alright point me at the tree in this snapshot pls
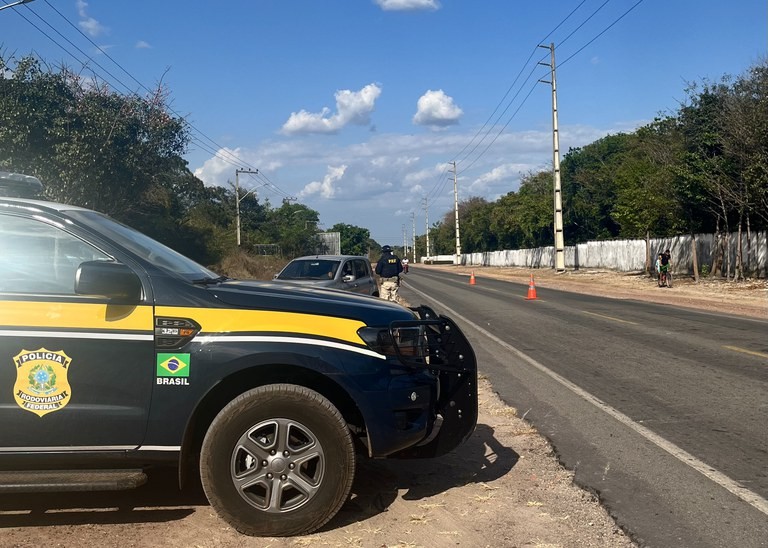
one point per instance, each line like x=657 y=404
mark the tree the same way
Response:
x=475 y=225
x=644 y=198
x=744 y=123
x=292 y=225
x=589 y=188
x=90 y=145
x=354 y=240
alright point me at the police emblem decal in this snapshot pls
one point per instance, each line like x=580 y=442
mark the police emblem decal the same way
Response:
x=41 y=380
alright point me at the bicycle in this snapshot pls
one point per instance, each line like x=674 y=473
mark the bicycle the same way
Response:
x=665 y=279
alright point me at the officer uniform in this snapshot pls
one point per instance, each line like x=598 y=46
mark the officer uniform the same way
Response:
x=389 y=268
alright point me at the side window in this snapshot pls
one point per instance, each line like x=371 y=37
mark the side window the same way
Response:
x=361 y=270
x=36 y=257
x=348 y=269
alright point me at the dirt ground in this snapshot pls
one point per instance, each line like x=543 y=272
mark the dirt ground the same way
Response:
x=503 y=488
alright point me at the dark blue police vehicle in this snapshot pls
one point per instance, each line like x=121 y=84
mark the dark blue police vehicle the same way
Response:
x=117 y=355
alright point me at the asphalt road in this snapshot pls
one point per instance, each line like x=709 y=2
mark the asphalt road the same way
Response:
x=661 y=411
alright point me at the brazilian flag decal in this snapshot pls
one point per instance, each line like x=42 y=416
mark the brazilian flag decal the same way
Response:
x=173 y=365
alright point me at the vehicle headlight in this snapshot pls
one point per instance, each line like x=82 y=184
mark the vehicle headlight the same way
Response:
x=408 y=342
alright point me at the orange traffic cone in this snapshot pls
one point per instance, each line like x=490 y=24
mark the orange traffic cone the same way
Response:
x=472 y=279
x=531 y=291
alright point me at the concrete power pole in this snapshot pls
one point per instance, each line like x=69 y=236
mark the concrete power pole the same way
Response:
x=426 y=223
x=559 y=242
x=238 y=199
x=413 y=233
x=456 y=209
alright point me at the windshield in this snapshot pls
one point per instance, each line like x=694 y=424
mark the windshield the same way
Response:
x=142 y=245
x=309 y=269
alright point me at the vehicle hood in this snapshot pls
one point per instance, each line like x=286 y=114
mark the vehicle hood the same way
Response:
x=313 y=283
x=310 y=300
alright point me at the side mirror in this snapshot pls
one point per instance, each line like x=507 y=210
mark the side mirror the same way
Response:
x=112 y=280
x=348 y=278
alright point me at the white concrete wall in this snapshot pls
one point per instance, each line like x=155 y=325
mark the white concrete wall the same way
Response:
x=625 y=255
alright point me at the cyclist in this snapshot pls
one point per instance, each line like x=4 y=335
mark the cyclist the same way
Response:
x=658 y=269
x=665 y=260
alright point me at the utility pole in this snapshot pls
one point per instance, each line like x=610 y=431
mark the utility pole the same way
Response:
x=426 y=223
x=559 y=243
x=238 y=199
x=405 y=242
x=456 y=209
x=413 y=233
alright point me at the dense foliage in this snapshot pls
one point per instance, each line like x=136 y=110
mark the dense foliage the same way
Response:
x=122 y=155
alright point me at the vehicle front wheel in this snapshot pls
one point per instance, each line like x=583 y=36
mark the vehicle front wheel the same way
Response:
x=278 y=460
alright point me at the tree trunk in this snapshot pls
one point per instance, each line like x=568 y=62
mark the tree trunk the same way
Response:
x=717 y=265
x=695 y=257
x=648 y=253
x=739 y=270
x=749 y=248
x=727 y=250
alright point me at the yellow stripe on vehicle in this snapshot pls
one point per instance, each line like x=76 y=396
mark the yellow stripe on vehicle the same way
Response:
x=216 y=320
x=76 y=316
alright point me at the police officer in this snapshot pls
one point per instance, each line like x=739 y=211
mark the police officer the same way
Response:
x=389 y=268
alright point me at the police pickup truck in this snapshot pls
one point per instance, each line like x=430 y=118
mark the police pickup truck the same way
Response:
x=118 y=355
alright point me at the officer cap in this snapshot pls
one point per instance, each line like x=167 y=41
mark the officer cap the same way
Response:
x=386 y=248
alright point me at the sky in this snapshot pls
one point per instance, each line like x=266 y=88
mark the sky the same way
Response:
x=358 y=108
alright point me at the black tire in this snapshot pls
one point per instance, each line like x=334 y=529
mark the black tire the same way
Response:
x=669 y=279
x=278 y=460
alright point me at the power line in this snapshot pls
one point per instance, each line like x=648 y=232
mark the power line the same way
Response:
x=442 y=180
x=102 y=50
x=602 y=32
x=485 y=130
x=502 y=129
x=70 y=43
x=509 y=89
x=141 y=85
x=219 y=151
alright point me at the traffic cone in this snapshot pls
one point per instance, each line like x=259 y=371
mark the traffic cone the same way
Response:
x=531 y=291
x=472 y=279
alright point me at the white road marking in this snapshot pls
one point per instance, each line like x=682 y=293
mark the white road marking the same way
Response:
x=751 y=498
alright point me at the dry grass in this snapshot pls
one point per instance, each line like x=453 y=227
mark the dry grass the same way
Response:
x=246 y=266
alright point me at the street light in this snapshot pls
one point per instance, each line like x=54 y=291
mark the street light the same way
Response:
x=15 y=4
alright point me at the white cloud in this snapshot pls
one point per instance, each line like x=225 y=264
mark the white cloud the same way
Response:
x=89 y=25
x=215 y=171
x=219 y=170
x=426 y=175
x=352 y=107
x=102 y=49
x=324 y=188
x=406 y=5
x=390 y=172
x=436 y=109
x=500 y=177
x=389 y=162
x=141 y=44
